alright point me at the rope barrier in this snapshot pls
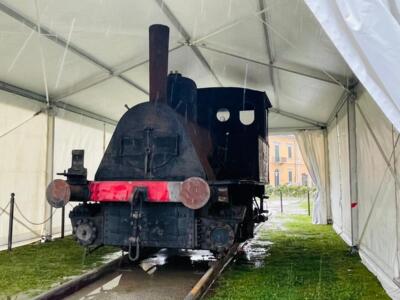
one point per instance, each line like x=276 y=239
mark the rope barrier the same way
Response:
x=30 y=222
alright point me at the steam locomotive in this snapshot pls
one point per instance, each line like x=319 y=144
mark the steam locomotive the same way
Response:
x=181 y=171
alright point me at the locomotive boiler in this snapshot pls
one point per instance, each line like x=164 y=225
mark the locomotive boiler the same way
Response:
x=181 y=171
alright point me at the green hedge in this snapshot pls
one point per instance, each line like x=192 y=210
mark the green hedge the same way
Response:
x=290 y=190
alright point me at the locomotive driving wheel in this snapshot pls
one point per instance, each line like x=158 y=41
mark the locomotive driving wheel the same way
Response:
x=85 y=232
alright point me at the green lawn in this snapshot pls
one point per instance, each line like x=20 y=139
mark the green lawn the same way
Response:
x=35 y=268
x=304 y=261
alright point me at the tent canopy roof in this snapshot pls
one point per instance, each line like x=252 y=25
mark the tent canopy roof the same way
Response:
x=92 y=55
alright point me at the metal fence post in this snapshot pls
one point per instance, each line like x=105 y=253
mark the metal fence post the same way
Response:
x=281 y=202
x=62 y=221
x=308 y=202
x=10 y=221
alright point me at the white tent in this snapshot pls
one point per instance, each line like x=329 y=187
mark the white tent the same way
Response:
x=67 y=68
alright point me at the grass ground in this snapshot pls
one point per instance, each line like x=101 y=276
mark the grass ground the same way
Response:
x=304 y=261
x=32 y=269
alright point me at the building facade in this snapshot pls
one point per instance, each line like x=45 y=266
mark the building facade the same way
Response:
x=286 y=165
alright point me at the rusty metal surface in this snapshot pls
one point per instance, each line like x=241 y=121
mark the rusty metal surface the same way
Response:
x=195 y=192
x=158 y=54
x=58 y=193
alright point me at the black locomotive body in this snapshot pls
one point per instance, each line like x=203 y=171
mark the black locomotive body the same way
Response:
x=180 y=171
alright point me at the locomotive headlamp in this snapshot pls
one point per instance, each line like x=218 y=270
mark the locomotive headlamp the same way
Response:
x=58 y=193
x=194 y=193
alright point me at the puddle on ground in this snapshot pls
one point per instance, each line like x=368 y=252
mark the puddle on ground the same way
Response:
x=184 y=258
x=255 y=251
x=175 y=271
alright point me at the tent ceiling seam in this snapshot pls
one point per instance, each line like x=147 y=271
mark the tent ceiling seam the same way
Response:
x=292 y=129
x=175 y=22
x=58 y=39
x=264 y=17
x=275 y=66
x=298 y=117
x=33 y=96
x=118 y=70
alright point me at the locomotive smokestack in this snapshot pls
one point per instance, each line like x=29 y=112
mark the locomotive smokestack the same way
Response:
x=158 y=53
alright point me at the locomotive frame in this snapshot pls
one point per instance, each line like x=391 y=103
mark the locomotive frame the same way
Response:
x=180 y=171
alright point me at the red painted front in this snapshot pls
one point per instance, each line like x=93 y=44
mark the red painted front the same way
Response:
x=122 y=191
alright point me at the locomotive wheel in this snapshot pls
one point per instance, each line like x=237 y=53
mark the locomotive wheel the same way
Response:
x=85 y=232
x=220 y=236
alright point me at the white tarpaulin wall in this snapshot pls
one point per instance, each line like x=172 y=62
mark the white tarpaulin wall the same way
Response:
x=73 y=131
x=378 y=202
x=312 y=147
x=22 y=165
x=23 y=137
x=365 y=192
x=339 y=174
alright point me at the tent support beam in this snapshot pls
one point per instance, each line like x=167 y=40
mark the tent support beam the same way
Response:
x=119 y=70
x=56 y=38
x=327 y=182
x=297 y=117
x=275 y=66
x=48 y=210
x=351 y=119
x=171 y=17
x=292 y=129
x=264 y=17
x=33 y=96
x=339 y=105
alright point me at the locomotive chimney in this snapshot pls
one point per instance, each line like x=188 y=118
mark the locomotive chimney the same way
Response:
x=158 y=53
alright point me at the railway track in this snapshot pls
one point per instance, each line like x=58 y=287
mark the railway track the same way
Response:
x=164 y=275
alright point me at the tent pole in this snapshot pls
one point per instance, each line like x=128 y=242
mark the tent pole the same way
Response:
x=48 y=212
x=351 y=118
x=396 y=199
x=327 y=182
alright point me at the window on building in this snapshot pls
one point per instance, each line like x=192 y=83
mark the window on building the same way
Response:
x=290 y=177
x=289 y=151
x=276 y=177
x=277 y=154
x=304 y=179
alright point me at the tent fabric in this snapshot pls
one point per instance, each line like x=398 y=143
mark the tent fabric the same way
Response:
x=312 y=148
x=360 y=30
x=378 y=201
x=378 y=204
x=229 y=37
x=73 y=131
x=22 y=165
x=23 y=161
x=339 y=174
